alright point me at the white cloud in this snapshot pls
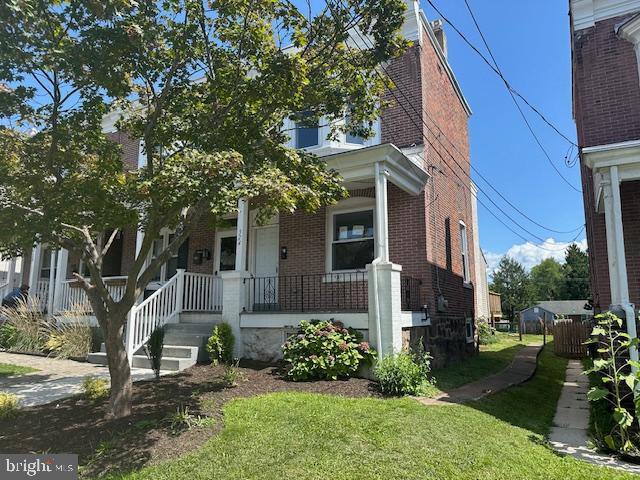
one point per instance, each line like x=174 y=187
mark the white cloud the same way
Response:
x=530 y=254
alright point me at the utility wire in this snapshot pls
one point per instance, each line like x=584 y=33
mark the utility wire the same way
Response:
x=497 y=69
x=367 y=43
x=493 y=68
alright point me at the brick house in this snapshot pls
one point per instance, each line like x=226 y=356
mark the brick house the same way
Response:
x=394 y=260
x=606 y=101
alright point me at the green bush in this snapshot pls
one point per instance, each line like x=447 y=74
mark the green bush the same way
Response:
x=8 y=336
x=405 y=373
x=220 y=344
x=94 y=388
x=69 y=337
x=325 y=350
x=9 y=405
x=486 y=334
x=154 y=348
x=28 y=322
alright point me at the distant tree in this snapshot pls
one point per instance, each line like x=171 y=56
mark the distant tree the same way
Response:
x=577 y=285
x=547 y=280
x=512 y=282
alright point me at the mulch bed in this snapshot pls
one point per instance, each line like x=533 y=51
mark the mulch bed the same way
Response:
x=107 y=445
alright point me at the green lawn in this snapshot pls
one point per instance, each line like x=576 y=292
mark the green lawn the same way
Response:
x=8 y=369
x=306 y=436
x=492 y=359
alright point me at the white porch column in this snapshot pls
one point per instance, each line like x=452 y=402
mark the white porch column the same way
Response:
x=61 y=276
x=52 y=282
x=618 y=279
x=382 y=215
x=242 y=235
x=234 y=301
x=385 y=308
x=34 y=271
x=11 y=274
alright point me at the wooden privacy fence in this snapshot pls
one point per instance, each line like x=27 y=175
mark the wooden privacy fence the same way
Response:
x=569 y=338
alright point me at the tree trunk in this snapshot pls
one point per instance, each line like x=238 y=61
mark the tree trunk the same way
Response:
x=121 y=386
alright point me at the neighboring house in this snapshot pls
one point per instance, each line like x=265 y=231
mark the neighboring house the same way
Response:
x=606 y=100
x=549 y=311
x=408 y=208
x=481 y=289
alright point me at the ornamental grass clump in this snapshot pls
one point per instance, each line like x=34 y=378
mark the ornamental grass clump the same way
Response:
x=25 y=324
x=325 y=350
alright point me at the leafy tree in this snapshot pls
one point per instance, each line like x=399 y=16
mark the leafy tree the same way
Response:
x=547 y=280
x=206 y=85
x=577 y=285
x=512 y=282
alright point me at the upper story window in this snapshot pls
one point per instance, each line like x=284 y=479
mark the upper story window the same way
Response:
x=352 y=245
x=307 y=132
x=464 y=250
x=349 y=137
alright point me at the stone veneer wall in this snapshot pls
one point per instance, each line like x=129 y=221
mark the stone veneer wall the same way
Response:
x=445 y=339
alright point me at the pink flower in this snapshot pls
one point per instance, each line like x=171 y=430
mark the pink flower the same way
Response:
x=343 y=346
x=363 y=347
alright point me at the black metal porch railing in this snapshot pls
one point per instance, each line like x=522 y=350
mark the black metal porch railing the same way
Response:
x=327 y=292
x=410 y=293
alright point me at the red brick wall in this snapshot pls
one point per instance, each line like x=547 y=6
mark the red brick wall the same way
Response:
x=606 y=91
x=203 y=237
x=130 y=148
x=128 y=250
x=606 y=85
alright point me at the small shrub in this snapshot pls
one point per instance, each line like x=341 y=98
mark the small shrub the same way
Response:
x=154 y=348
x=325 y=350
x=9 y=405
x=615 y=383
x=486 y=334
x=183 y=420
x=232 y=374
x=8 y=336
x=70 y=336
x=29 y=325
x=95 y=389
x=405 y=373
x=220 y=344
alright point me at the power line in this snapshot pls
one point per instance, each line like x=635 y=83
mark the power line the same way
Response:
x=366 y=42
x=493 y=68
x=498 y=70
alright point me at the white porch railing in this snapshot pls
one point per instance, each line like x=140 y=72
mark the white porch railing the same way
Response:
x=202 y=293
x=5 y=288
x=183 y=292
x=41 y=293
x=72 y=295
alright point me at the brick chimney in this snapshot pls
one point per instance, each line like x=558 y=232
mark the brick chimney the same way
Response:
x=438 y=30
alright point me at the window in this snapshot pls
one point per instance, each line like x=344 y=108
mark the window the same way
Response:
x=228 y=253
x=45 y=269
x=352 y=242
x=350 y=138
x=307 y=132
x=176 y=261
x=469 y=329
x=464 y=248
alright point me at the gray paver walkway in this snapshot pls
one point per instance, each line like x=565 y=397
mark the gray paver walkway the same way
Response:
x=521 y=369
x=55 y=379
x=570 y=432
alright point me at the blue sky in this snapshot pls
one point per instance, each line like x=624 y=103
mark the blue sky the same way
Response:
x=531 y=43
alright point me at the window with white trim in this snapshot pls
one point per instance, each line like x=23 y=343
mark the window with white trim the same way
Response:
x=464 y=251
x=307 y=132
x=170 y=267
x=352 y=244
x=349 y=137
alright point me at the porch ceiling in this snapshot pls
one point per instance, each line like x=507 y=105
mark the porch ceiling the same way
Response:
x=357 y=167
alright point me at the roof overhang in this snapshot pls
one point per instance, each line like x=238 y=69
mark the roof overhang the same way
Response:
x=358 y=166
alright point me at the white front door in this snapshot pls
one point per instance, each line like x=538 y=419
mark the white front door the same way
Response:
x=265 y=266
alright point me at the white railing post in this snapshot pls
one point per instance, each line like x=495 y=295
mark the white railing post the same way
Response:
x=179 y=289
x=131 y=318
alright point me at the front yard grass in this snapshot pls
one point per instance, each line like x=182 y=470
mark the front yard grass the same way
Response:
x=8 y=369
x=311 y=436
x=492 y=359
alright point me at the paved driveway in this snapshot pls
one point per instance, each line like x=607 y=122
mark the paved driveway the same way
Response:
x=55 y=379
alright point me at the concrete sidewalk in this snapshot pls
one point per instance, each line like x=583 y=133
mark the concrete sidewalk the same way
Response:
x=521 y=369
x=570 y=433
x=55 y=379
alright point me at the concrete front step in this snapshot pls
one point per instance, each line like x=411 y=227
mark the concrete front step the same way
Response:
x=199 y=328
x=141 y=361
x=177 y=351
x=200 y=317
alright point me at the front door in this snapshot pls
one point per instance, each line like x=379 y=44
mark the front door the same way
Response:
x=265 y=267
x=225 y=251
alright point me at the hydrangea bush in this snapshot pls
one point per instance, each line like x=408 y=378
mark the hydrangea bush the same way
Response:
x=325 y=350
